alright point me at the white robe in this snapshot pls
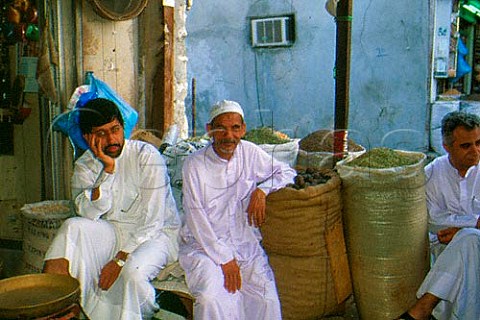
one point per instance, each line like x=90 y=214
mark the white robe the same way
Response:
x=135 y=213
x=216 y=194
x=453 y=200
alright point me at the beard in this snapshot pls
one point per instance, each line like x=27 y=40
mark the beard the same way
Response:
x=113 y=150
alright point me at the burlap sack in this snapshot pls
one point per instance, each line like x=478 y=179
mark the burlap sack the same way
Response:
x=304 y=239
x=146 y=136
x=297 y=219
x=305 y=286
x=385 y=219
x=41 y=221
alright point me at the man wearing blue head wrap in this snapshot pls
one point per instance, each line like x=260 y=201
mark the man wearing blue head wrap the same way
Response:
x=127 y=223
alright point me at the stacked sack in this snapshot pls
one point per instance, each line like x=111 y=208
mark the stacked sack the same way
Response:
x=175 y=155
x=316 y=150
x=303 y=237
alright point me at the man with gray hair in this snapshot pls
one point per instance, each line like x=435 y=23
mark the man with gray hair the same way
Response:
x=225 y=186
x=451 y=289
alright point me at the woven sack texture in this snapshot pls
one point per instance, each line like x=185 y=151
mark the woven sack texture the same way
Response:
x=385 y=220
x=303 y=230
x=297 y=219
x=305 y=286
x=41 y=221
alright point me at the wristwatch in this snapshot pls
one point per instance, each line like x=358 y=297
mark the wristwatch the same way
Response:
x=119 y=262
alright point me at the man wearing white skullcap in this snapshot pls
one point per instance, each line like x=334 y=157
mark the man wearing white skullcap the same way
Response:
x=225 y=186
x=225 y=106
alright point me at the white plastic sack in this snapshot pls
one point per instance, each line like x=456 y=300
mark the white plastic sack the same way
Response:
x=175 y=156
x=285 y=152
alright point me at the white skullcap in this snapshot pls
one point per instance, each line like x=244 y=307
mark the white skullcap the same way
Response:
x=224 y=106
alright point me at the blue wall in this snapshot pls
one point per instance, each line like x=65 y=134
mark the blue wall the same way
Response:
x=292 y=89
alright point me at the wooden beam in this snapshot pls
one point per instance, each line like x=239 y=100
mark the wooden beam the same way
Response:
x=342 y=76
x=169 y=61
x=162 y=111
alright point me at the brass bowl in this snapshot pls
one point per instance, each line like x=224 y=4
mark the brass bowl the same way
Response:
x=37 y=295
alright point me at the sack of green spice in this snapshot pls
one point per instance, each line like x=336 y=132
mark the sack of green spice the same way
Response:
x=275 y=143
x=385 y=223
x=383 y=158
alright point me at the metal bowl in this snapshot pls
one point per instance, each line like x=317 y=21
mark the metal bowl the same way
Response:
x=37 y=295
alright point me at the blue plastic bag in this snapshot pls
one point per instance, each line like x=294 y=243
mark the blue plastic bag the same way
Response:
x=67 y=122
x=462 y=65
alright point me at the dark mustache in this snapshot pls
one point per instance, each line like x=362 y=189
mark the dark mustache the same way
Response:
x=113 y=145
x=227 y=141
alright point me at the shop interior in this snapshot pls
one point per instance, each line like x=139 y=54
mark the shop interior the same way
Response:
x=463 y=76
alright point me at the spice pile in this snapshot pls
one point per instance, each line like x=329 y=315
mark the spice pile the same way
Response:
x=308 y=177
x=322 y=141
x=381 y=158
x=266 y=135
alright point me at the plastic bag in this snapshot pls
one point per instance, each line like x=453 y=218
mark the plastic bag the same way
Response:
x=67 y=122
x=462 y=65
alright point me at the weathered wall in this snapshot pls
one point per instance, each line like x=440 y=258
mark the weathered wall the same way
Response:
x=181 y=60
x=391 y=45
x=122 y=58
x=293 y=88
x=109 y=50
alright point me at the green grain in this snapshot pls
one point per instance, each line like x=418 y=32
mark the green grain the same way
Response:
x=381 y=158
x=264 y=135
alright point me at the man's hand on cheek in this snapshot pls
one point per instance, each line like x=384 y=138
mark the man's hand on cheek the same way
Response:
x=96 y=145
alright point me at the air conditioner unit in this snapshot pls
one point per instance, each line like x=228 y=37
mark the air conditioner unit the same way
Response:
x=272 y=31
